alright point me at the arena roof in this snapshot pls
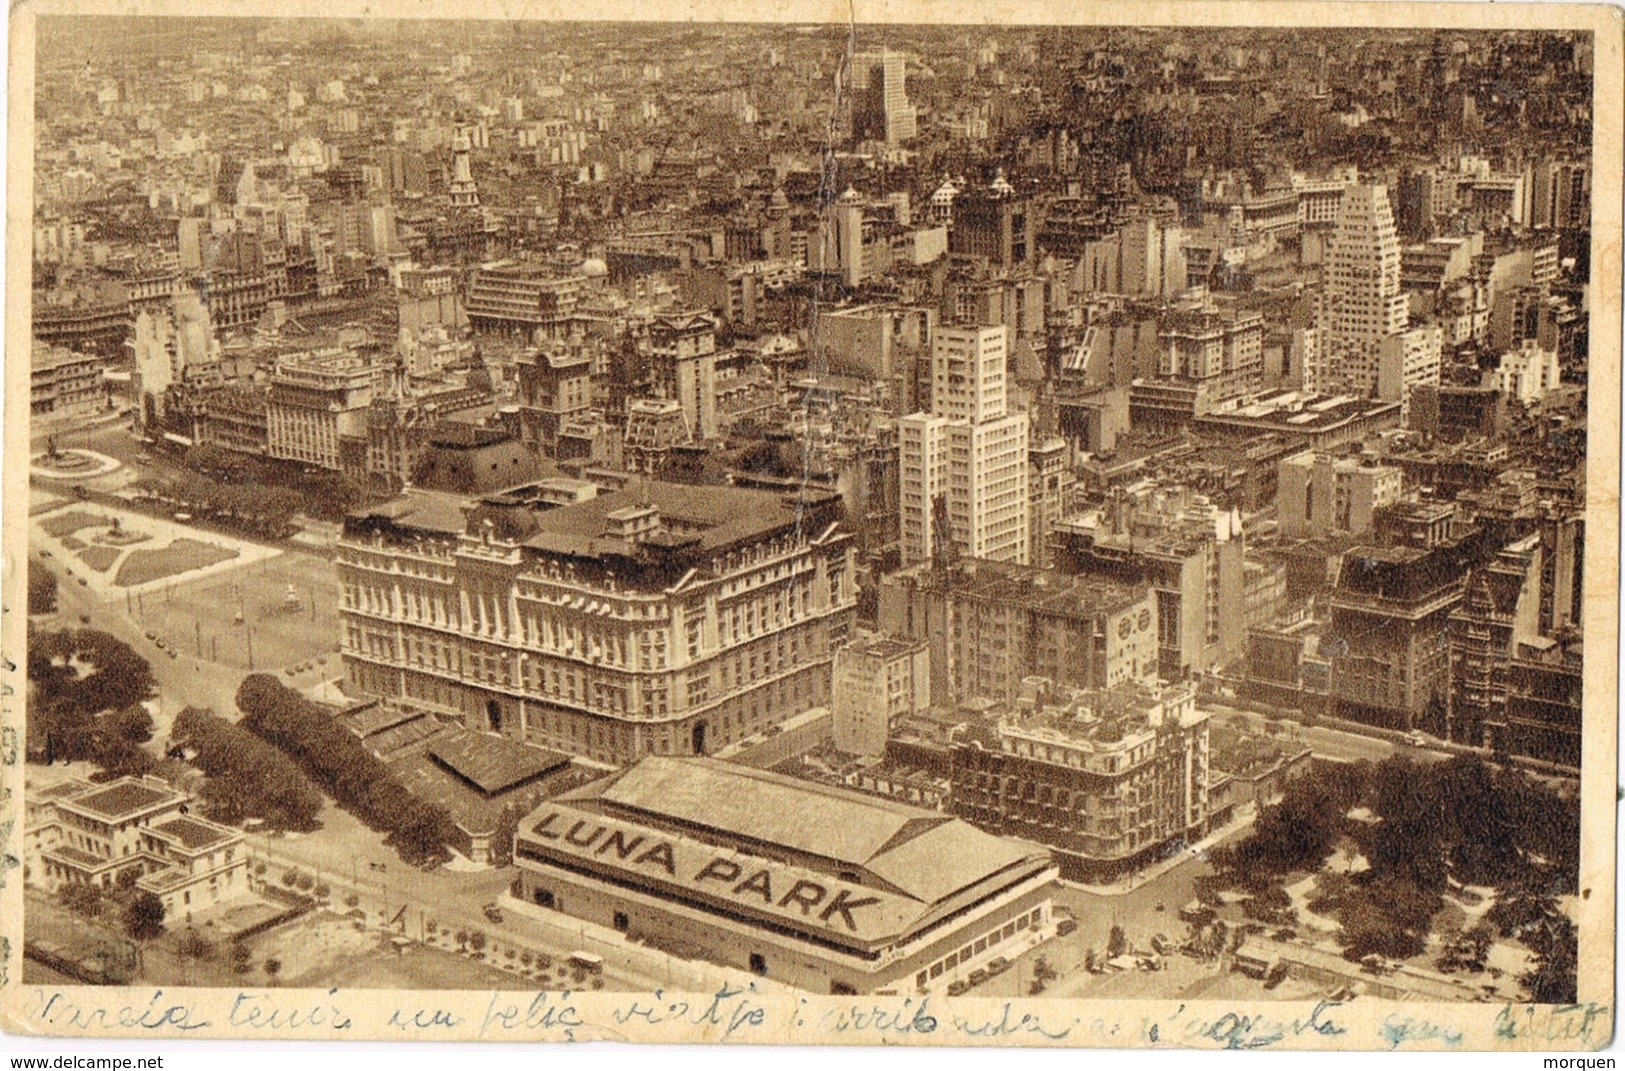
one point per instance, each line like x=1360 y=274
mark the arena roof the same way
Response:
x=821 y=859
x=770 y=809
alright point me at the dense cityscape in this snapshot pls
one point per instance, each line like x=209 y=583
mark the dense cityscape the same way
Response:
x=1017 y=511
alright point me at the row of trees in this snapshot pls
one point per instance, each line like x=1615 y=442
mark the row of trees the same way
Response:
x=321 y=493
x=248 y=778
x=336 y=760
x=257 y=510
x=87 y=693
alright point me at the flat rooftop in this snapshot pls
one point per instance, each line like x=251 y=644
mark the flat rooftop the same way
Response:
x=194 y=833
x=125 y=798
x=1101 y=716
x=711 y=518
x=1299 y=412
x=708 y=518
x=60 y=790
x=1041 y=589
x=884 y=646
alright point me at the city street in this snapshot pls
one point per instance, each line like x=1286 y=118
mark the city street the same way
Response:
x=1337 y=745
x=352 y=858
x=182 y=681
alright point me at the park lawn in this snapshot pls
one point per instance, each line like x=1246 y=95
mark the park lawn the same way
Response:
x=181 y=556
x=99 y=558
x=73 y=520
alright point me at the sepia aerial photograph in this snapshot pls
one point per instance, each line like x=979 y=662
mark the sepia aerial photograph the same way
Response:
x=890 y=511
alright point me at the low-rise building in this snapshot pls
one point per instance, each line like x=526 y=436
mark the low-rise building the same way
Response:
x=877 y=678
x=815 y=886
x=1318 y=421
x=90 y=834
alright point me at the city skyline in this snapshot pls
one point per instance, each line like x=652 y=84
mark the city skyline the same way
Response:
x=1048 y=513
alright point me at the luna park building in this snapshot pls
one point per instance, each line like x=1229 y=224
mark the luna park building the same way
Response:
x=811 y=885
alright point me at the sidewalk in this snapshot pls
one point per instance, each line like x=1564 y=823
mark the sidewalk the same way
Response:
x=697 y=975
x=1244 y=819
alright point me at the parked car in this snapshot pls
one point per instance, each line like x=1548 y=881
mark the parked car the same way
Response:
x=1064 y=927
x=978 y=976
x=957 y=988
x=587 y=961
x=997 y=965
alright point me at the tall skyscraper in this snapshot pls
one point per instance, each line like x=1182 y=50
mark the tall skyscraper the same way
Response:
x=1362 y=303
x=969 y=451
x=880 y=108
x=1366 y=345
x=464 y=192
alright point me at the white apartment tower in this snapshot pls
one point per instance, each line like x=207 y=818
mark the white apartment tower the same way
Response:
x=1362 y=303
x=1365 y=344
x=969 y=450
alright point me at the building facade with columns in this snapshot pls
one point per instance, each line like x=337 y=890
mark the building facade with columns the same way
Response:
x=660 y=619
